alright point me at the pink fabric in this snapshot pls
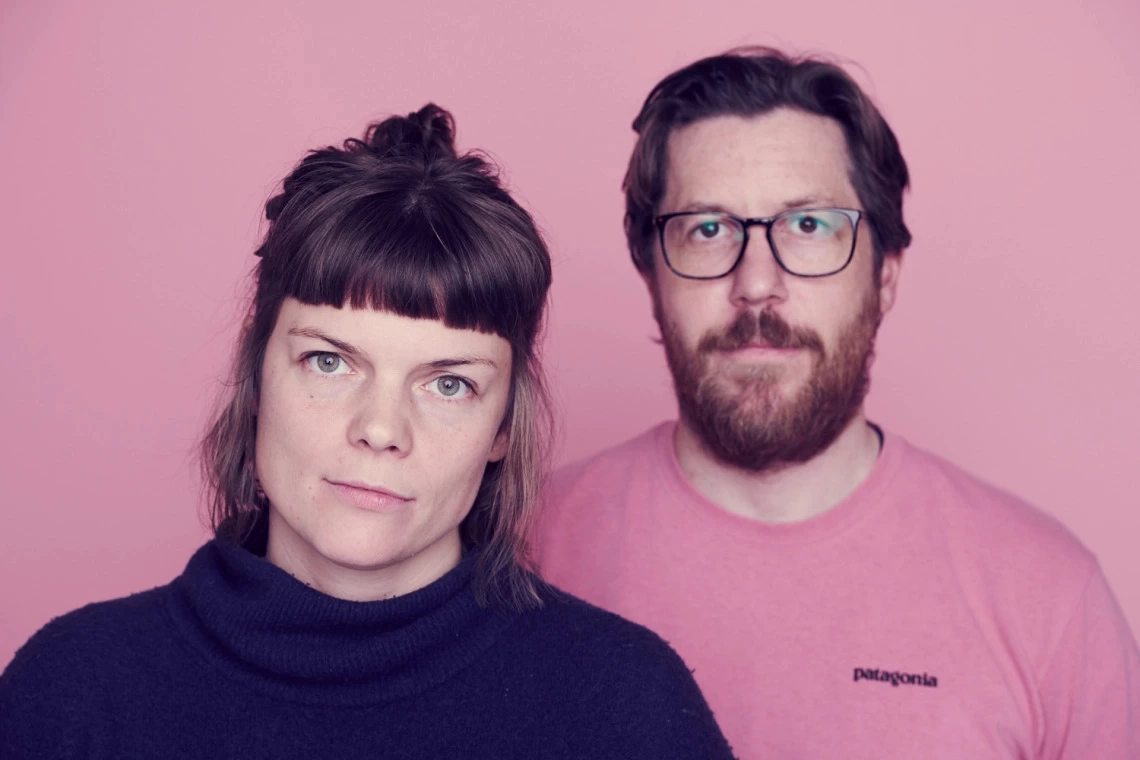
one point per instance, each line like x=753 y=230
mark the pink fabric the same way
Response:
x=928 y=615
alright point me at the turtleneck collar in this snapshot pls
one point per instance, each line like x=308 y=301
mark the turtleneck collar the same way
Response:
x=269 y=630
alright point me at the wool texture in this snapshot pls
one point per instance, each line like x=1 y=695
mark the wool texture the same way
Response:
x=236 y=658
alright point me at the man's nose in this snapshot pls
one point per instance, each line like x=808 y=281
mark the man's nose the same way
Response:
x=758 y=280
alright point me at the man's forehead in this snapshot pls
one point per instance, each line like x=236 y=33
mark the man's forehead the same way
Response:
x=775 y=159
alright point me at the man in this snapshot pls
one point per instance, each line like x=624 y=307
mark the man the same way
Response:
x=838 y=592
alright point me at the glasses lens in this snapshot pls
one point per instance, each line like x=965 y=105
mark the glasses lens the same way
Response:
x=813 y=241
x=702 y=245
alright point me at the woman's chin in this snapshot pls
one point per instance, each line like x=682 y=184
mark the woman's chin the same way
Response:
x=387 y=554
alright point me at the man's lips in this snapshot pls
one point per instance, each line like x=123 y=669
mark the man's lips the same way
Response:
x=766 y=348
x=367 y=496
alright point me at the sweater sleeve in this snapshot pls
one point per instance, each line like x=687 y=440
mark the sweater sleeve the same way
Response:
x=43 y=704
x=1090 y=692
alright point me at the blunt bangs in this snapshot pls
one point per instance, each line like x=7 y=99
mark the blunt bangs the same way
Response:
x=420 y=246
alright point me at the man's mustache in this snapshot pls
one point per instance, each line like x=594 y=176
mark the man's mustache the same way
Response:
x=765 y=327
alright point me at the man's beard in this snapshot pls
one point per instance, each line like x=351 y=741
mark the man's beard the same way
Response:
x=741 y=416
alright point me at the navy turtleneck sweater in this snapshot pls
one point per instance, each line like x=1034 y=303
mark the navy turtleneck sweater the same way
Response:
x=236 y=658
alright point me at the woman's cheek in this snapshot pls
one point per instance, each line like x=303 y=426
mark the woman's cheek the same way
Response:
x=318 y=389
x=437 y=410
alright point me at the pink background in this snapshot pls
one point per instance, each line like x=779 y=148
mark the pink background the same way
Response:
x=139 y=141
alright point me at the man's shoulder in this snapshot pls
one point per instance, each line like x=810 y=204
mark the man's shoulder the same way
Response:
x=994 y=521
x=587 y=499
x=599 y=470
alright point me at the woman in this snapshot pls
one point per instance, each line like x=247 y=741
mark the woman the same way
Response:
x=372 y=478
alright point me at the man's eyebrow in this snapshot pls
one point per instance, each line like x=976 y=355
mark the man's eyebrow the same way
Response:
x=312 y=332
x=690 y=208
x=807 y=201
x=811 y=201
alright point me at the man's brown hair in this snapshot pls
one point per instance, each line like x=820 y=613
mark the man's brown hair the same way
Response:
x=750 y=82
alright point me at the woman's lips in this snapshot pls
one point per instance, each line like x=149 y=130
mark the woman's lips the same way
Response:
x=370 y=497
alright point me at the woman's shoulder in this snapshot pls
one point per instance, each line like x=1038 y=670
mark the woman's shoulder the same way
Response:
x=619 y=674
x=588 y=635
x=101 y=625
x=61 y=680
x=98 y=637
x=563 y=611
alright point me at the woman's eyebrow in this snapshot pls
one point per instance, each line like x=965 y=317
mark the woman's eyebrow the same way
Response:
x=460 y=361
x=348 y=348
x=312 y=332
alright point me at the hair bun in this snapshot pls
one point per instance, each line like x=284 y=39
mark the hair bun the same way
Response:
x=429 y=131
x=424 y=135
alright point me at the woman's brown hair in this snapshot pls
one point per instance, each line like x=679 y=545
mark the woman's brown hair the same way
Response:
x=398 y=222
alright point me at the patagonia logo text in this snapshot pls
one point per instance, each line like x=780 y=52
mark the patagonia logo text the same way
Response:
x=895 y=678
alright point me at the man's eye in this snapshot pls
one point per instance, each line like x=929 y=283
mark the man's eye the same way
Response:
x=327 y=363
x=451 y=386
x=708 y=230
x=808 y=224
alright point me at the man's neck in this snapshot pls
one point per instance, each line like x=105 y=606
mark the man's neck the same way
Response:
x=789 y=493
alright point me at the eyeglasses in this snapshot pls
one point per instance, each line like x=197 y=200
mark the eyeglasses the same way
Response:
x=807 y=242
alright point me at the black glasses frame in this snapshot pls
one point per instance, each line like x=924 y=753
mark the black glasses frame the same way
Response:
x=766 y=222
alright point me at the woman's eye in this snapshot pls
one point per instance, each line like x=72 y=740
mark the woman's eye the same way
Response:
x=451 y=386
x=327 y=363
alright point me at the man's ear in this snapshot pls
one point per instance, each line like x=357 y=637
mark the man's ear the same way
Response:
x=889 y=281
x=649 y=279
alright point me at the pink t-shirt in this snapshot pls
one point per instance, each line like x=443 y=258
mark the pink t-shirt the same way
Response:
x=929 y=615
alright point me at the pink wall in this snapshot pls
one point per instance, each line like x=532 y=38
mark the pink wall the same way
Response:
x=137 y=144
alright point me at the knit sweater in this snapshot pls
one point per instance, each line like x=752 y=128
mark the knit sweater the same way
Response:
x=236 y=658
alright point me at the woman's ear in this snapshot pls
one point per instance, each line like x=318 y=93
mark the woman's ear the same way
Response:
x=499 y=447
